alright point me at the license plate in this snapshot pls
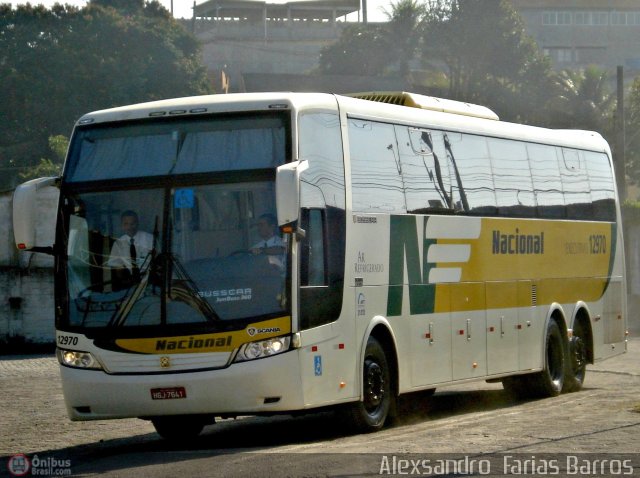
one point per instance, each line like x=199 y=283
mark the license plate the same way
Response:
x=168 y=393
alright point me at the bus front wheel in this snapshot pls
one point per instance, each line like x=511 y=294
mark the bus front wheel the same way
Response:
x=370 y=414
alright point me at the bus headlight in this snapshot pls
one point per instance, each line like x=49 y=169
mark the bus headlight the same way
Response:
x=263 y=348
x=76 y=359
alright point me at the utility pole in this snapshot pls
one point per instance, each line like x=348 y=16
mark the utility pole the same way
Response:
x=620 y=160
x=364 y=11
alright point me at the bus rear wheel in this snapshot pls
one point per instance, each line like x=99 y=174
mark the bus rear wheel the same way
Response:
x=370 y=414
x=577 y=361
x=550 y=381
x=179 y=427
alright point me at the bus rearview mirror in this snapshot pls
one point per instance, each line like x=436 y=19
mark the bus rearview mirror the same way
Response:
x=288 y=193
x=25 y=213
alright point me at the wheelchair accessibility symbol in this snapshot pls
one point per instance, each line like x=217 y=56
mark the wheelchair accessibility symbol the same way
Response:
x=317 y=365
x=184 y=199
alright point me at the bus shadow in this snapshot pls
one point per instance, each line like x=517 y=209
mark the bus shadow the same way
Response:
x=422 y=406
x=253 y=435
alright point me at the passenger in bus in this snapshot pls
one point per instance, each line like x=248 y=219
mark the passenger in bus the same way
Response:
x=129 y=251
x=270 y=242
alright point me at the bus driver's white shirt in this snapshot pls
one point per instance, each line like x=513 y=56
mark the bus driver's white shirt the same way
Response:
x=273 y=241
x=120 y=252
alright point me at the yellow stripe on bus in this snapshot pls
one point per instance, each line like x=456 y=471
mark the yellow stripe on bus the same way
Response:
x=201 y=343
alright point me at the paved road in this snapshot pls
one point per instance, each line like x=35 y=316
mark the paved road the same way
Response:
x=466 y=422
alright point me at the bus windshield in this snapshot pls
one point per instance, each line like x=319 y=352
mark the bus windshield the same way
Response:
x=161 y=148
x=181 y=248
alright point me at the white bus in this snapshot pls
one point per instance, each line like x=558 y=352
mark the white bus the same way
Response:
x=419 y=243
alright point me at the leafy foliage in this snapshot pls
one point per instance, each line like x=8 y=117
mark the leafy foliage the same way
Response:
x=633 y=133
x=481 y=45
x=583 y=100
x=488 y=57
x=49 y=167
x=57 y=64
x=404 y=31
x=352 y=53
x=378 y=50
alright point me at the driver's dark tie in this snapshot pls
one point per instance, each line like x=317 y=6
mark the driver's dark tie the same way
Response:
x=134 y=263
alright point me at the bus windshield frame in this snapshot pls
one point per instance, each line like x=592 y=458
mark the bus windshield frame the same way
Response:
x=198 y=268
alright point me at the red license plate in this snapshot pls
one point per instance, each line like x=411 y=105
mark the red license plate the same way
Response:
x=168 y=393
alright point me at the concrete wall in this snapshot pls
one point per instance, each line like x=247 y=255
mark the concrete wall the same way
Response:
x=240 y=47
x=26 y=279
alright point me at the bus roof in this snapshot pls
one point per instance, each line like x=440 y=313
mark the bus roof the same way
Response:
x=401 y=107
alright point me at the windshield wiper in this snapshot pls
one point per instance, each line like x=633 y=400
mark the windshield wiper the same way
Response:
x=132 y=295
x=182 y=288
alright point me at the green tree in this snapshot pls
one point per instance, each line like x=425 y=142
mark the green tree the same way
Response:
x=633 y=133
x=49 y=166
x=487 y=56
x=583 y=100
x=57 y=64
x=378 y=49
x=360 y=50
x=123 y=6
x=404 y=31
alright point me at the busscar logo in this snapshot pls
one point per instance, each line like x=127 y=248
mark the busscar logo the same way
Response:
x=266 y=330
x=227 y=295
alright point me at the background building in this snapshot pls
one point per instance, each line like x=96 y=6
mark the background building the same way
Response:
x=578 y=33
x=255 y=37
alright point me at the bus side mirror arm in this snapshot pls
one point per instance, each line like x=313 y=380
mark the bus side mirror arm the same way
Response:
x=288 y=196
x=25 y=212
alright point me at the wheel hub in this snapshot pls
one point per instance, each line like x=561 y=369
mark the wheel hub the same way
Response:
x=374 y=385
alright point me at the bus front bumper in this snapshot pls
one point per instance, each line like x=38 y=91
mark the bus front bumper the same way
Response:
x=271 y=384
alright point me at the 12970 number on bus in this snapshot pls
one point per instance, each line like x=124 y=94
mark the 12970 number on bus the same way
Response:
x=598 y=244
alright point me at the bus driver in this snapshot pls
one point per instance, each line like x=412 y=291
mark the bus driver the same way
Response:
x=130 y=250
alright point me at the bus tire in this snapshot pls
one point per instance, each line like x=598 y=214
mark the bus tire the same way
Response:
x=549 y=382
x=576 y=369
x=370 y=414
x=178 y=427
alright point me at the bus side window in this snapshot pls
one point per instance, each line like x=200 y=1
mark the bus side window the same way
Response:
x=547 y=185
x=601 y=185
x=376 y=175
x=512 y=178
x=425 y=171
x=575 y=184
x=470 y=156
x=313 y=262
